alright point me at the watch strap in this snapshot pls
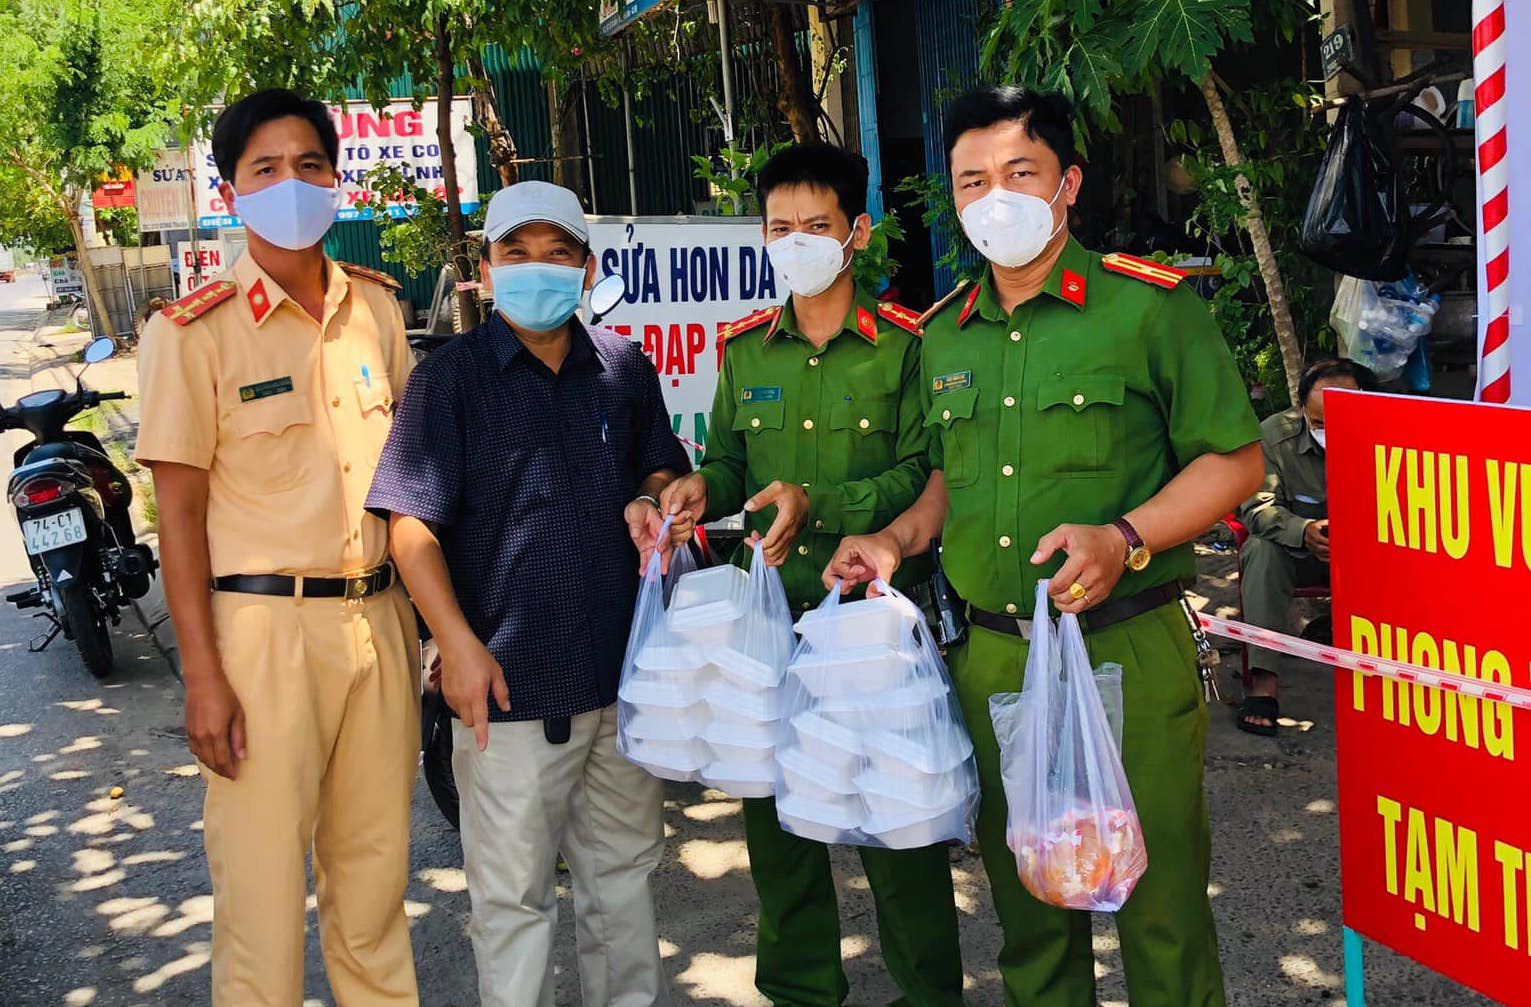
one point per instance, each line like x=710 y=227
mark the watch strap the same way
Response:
x=1134 y=540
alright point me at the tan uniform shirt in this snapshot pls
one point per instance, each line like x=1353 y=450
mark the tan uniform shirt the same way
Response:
x=287 y=414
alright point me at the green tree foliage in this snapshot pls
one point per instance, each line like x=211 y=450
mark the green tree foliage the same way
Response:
x=79 y=98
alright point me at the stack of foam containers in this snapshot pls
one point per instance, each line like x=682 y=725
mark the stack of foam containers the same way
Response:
x=872 y=754
x=703 y=700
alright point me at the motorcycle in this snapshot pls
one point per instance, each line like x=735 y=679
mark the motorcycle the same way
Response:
x=73 y=507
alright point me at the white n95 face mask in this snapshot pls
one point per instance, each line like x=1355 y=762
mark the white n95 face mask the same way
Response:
x=291 y=214
x=809 y=263
x=1011 y=228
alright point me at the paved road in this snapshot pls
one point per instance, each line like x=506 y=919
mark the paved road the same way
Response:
x=106 y=901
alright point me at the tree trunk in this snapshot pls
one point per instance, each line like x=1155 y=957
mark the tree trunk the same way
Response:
x=457 y=231
x=100 y=317
x=797 y=100
x=1265 y=256
x=486 y=105
x=569 y=169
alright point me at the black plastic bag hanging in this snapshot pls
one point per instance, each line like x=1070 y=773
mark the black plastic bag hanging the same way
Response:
x=1357 y=221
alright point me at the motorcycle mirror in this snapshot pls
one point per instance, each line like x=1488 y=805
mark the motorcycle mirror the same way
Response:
x=606 y=295
x=99 y=350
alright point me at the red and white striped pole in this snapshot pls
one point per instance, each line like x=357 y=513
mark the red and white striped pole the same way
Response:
x=1490 y=50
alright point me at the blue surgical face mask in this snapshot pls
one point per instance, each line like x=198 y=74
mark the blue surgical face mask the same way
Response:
x=537 y=296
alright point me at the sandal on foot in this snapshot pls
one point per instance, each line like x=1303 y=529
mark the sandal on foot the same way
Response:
x=1264 y=707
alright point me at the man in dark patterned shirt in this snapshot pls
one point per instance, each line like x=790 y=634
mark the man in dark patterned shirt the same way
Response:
x=523 y=467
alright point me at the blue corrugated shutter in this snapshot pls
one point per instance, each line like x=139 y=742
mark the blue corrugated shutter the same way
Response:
x=948 y=34
x=866 y=107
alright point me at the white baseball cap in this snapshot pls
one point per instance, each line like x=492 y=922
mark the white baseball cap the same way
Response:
x=534 y=203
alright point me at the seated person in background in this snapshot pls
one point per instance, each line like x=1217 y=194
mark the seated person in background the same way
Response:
x=1288 y=522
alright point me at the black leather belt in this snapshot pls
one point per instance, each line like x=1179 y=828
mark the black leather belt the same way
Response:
x=1096 y=619
x=281 y=586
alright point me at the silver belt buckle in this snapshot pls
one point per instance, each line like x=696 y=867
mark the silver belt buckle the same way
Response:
x=1024 y=626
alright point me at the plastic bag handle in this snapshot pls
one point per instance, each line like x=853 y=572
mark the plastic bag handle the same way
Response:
x=664 y=529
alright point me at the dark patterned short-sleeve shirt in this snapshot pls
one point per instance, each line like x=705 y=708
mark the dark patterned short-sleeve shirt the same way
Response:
x=526 y=473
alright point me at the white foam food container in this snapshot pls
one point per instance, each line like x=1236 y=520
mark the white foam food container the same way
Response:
x=646 y=695
x=670 y=655
x=850 y=625
x=836 y=747
x=909 y=833
x=744 y=670
x=805 y=777
x=858 y=672
x=895 y=754
x=669 y=760
x=824 y=821
x=738 y=745
x=665 y=724
x=889 y=797
x=730 y=703
x=706 y=603
x=741 y=780
x=903 y=709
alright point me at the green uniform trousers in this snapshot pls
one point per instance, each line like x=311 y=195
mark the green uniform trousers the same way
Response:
x=797 y=961
x=1169 y=947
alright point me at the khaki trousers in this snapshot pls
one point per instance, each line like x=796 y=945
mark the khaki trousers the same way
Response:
x=331 y=698
x=525 y=800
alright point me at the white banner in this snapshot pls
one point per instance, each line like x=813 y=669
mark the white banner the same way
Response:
x=687 y=277
x=1516 y=169
x=163 y=192
x=399 y=135
x=211 y=254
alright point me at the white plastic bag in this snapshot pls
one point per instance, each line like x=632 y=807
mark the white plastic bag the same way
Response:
x=873 y=750
x=742 y=700
x=1379 y=324
x=698 y=696
x=1072 y=823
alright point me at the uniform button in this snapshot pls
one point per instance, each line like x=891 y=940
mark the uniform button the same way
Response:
x=1008 y=470
x=1009 y=401
x=806 y=606
x=335 y=402
x=1010 y=609
x=755 y=422
x=865 y=423
x=802 y=550
x=946 y=414
x=1004 y=541
x=808 y=424
x=1015 y=337
x=813 y=361
x=1078 y=400
x=346 y=467
x=805 y=485
x=819 y=524
x=356 y=534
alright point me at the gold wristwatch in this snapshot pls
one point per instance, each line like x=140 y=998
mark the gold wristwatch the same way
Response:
x=1138 y=554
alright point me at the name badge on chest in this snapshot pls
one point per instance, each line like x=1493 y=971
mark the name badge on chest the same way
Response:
x=265 y=389
x=951 y=382
x=761 y=393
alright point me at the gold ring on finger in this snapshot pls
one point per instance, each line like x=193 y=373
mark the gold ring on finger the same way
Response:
x=1077 y=591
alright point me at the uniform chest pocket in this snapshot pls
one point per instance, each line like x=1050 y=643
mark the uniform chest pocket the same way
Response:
x=1080 y=425
x=759 y=417
x=271 y=447
x=374 y=395
x=951 y=419
x=866 y=417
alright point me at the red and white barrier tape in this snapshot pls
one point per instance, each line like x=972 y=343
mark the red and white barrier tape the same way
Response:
x=1334 y=657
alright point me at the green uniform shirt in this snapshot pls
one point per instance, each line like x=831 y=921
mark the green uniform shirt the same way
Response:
x=845 y=421
x=1074 y=408
x=1295 y=490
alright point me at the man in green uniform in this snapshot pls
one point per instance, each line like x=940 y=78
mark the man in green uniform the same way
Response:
x=818 y=413
x=1089 y=423
x=1288 y=522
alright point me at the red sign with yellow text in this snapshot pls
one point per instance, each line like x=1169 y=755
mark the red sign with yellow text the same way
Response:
x=1430 y=511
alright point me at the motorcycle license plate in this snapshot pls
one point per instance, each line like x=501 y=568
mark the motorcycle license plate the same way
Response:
x=44 y=534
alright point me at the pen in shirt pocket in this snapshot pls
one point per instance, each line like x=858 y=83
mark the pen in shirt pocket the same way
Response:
x=603 y=428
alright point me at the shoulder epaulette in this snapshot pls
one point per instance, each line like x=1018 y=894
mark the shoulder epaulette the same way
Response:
x=375 y=275
x=753 y=320
x=905 y=318
x=199 y=302
x=1146 y=270
x=935 y=309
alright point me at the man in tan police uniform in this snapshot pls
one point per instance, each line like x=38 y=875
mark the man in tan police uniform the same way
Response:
x=267 y=397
